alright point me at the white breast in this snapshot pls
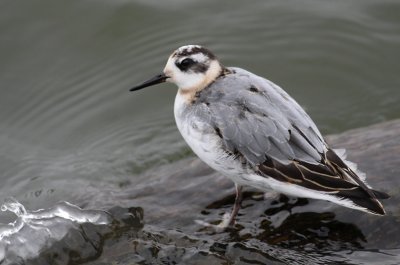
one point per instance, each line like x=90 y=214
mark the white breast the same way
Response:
x=205 y=144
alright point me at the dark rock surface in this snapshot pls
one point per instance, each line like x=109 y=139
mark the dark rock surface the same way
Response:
x=272 y=230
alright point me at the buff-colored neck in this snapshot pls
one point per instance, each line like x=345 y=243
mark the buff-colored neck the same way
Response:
x=215 y=71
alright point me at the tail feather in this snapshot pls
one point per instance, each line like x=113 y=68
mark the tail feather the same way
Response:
x=371 y=205
x=381 y=194
x=362 y=196
x=362 y=199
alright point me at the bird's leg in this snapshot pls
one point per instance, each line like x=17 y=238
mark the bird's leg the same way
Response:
x=236 y=205
x=228 y=220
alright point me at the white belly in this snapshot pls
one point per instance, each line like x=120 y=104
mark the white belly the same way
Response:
x=206 y=144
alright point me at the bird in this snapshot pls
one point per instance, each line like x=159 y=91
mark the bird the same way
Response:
x=253 y=132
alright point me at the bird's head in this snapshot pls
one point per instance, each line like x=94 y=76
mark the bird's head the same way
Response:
x=190 y=67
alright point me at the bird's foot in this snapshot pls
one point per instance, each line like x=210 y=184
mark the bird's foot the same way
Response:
x=226 y=223
x=228 y=220
x=271 y=195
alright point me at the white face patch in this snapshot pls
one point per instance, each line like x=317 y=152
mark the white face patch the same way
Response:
x=181 y=79
x=190 y=80
x=199 y=57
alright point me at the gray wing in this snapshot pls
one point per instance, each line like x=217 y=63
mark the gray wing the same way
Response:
x=256 y=118
x=265 y=128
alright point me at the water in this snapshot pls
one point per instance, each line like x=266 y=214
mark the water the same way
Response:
x=71 y=131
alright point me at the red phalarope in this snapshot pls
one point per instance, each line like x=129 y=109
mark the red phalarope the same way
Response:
x=250 y=130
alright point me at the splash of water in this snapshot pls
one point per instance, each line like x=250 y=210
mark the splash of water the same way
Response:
x=34 y=230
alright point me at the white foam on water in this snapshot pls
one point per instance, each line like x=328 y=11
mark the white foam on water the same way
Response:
x=32 y=231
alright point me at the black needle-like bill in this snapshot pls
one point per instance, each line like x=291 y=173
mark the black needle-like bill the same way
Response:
x=151 y=82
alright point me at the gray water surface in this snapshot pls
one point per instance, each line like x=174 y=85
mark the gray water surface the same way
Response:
x=70 y=130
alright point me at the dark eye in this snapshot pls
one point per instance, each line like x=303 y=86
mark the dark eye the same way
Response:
x=187 y=62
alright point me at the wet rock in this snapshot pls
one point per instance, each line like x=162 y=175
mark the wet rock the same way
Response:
x=272 y=230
